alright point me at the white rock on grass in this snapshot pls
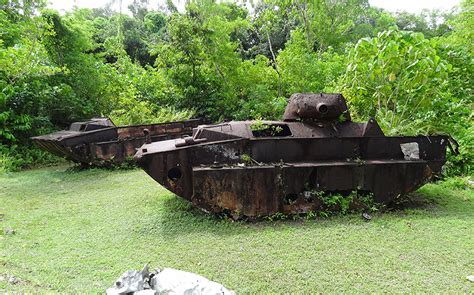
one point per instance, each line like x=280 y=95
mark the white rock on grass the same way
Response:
x=131 y=281
x=173 y=281
x=169 y=281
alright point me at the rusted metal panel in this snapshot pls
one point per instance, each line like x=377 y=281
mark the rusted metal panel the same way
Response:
x=159 y=130
x=253 y=169
x=99 y=142
x=256 y=191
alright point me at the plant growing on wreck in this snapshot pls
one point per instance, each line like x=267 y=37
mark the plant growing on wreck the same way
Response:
x=258 y=125
x=336 y=203
x=342 y=118
x=246 y=159
x=331 y=204
x=260 y=128
x=275 y=130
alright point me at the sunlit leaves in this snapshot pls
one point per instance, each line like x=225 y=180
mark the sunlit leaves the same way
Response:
x=396 y=77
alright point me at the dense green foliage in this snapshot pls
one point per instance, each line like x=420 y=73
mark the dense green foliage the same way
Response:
x=398 y=78
x=413 y=72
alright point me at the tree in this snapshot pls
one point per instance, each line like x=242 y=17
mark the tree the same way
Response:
x=456 y=47
x=269 y=22
x=304 y=70
x=202 y=60
x=24 y=71
x=430 y=23
x=79 y=82
x=326 y=22
x=399 y=78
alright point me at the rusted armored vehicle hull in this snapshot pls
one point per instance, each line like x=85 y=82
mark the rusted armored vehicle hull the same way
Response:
x=259 y=168
x=100 y=142
x=216 y=178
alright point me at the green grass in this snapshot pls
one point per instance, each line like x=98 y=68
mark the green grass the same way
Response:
x=78 y=231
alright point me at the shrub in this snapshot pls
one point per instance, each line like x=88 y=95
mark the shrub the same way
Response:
x=400 y=79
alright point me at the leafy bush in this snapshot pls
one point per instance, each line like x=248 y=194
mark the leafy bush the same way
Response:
x=304 y=70
x=135 y=112
x=400 y=79
x=396 y=77
x=13 y=158
x=141 y=94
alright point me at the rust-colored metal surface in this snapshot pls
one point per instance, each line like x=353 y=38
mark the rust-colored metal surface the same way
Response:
x=99 y=142
x=257 y=168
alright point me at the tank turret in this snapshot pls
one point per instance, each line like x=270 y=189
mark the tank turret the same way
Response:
x=316 y=107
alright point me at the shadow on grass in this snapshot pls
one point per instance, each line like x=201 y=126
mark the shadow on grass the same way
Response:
x=413 y=201
x=70 y=173
x=128 y=164
x=173 y=217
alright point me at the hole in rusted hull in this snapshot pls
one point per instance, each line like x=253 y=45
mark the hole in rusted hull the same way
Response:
x=174 y=173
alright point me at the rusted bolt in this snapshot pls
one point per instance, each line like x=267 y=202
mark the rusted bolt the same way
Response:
x=146 y=132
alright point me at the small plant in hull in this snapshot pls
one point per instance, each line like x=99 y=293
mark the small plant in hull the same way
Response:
x=262 y=129
x=344 y=203
x=332 y=203
x=246 y=159
x=258 y=125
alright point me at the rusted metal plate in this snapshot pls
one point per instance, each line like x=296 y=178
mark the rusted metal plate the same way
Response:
x=257 y=168
x=256 y=191
x=99 y=142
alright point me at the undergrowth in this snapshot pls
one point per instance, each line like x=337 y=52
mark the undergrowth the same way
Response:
x=333 y=204
x=15 y=158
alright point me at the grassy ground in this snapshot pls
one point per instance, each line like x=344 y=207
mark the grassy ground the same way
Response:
x=78 y=231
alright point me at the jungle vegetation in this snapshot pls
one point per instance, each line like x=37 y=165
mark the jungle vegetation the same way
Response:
x=232 y=60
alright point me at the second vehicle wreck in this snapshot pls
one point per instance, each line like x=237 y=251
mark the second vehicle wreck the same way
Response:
x=257 y=168
x=99 y=142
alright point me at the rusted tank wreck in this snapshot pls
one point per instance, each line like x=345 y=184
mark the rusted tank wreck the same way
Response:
x=257 y=168
x=99 y=142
